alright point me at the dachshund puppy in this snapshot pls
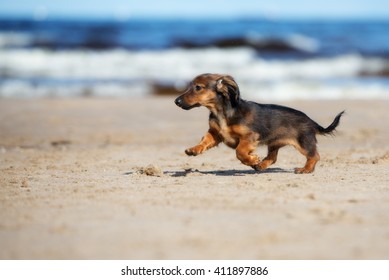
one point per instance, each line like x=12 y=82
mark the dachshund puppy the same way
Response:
x=243 y=125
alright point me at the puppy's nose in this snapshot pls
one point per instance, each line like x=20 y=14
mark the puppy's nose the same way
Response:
x=178 y=101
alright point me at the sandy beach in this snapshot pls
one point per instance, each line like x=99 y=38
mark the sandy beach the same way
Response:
x=107 y=178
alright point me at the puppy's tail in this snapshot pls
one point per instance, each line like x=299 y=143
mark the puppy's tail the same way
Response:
x=330 y=129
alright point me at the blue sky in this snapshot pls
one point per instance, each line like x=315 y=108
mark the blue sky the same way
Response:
x=124 y=9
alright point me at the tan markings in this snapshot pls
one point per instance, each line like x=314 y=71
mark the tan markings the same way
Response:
x=285 y=142
x=240 y=130
x=244 y=152
x=309 y=165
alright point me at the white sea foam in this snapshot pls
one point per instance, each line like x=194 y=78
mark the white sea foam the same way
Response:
x=12 y=40
x=296 y=41
x=128 y=73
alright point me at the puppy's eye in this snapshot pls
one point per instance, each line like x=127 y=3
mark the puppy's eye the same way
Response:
x=197 y=88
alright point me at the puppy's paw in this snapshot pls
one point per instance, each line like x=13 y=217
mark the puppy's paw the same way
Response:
x=255 y=167
x=302 y=171
x=263 y=165
x=259 y=167
x=194 y=151
x=190 y=152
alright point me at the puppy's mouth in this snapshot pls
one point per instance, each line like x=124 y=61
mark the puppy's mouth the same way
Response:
x=187 y=107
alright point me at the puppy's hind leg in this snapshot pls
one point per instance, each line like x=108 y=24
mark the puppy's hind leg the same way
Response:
x=271 y=158
x=309 y=165
x=307 y=146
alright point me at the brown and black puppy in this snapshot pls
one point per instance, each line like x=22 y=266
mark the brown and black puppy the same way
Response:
x=243 y=125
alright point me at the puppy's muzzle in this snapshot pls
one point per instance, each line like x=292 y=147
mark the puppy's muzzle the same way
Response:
x=180 y=102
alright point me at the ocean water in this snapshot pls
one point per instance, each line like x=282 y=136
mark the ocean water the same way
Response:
x=276 y=60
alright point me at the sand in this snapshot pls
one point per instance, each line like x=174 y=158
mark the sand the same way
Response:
x=90 y=178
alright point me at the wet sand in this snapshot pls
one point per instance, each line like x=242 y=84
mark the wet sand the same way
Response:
x=90 y=178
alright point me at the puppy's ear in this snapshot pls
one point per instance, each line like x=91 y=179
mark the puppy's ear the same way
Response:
x=229 y=89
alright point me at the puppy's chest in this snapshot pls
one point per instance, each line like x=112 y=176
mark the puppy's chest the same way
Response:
x=226 y=133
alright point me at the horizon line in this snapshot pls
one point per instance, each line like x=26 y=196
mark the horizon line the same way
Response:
x=49 y=17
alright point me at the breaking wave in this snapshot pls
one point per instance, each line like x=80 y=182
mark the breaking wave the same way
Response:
x=41 y=72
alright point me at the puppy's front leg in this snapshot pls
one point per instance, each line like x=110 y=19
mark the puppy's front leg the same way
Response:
x=209 y=140
x=244 y=152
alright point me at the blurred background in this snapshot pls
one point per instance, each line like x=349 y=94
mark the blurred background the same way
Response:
x=277 y=50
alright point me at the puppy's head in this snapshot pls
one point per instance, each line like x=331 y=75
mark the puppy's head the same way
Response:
x=210 y=90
